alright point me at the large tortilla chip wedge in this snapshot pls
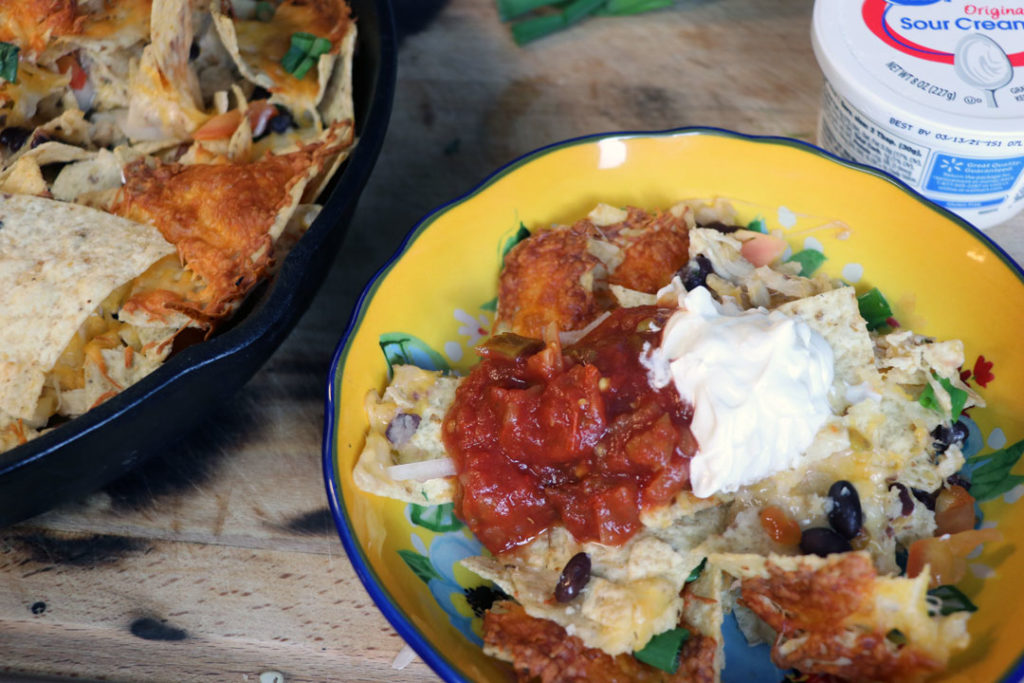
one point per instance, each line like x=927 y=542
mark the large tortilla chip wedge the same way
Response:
x=224 y=218
x=58 y=261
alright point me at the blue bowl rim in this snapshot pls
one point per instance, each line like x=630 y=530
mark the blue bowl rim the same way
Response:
x=441 y=665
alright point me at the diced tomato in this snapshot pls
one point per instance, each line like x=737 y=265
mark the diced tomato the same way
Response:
x=78 y=75
x=259 y=113
x=219 y=127
x=954 y=511
x=506 y=509
x=763 y=249
x=779 y=526
x=598 y=509
x=946 y=555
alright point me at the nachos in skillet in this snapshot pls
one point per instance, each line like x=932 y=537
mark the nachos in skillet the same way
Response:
x=202 y=131
x=569 y=462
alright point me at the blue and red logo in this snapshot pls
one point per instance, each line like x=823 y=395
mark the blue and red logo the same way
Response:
x=876 y=15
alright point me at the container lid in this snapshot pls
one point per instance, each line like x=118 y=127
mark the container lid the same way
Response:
x=949 y=61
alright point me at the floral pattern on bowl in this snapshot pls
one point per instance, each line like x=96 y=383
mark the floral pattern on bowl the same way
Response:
x=937 y=271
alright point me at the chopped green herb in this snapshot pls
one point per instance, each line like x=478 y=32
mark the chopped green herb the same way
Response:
x=511 y=345
x=531 y=29
x=874 y=308
x=619 y=8
x=757 y=225
x=303 y=53
x=957 y=397
x=948 y=599
x=510 y=9
x=538 y=18
x=9 y=62
x=896 y=637
x=662 y=651
x=695 y=574
x=321 y=46
x=521 y=234
x=809 y=259
x=990 y=473
x=578 y=9
x=491 y=305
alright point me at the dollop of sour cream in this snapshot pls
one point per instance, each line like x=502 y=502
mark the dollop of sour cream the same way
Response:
x=758 y=381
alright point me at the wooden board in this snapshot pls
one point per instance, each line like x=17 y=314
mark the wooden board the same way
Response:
x=218 y=560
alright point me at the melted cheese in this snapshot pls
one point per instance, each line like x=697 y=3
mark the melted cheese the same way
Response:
x=127 y=20
x=31 y=24
x=20 y=100
x=264 y=43
x=220 y=216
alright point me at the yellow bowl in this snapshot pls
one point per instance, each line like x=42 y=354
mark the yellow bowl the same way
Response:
x=435 y=298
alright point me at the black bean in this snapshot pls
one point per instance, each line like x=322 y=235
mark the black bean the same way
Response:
x=259 y=93
x=925 y=497
x=822 y=541
x=482 y=598
x=14 y=137
x=906 y=501
x=957 y=480
x=696 y=272
x=193 y=51
x=901 y=559
x=282 y=121
x=722 y=227
x=960 y=432
x=402 y=427
x=945 y=436
x=843 y=509
x=574 y=578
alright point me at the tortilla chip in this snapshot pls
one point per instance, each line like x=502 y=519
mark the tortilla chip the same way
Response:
x=835 y=315
x=19 y=102
x=104 y=27
x=425 y=396
x=222 y=217
x=258 y=47
x=633 y=593
x=23 y=177
x=835 y=614
x=297 y=226
x=704 y=614
x=340 y=137
x=102 y=172
x=52 y=152
x=58 y=261
x=165 y=100
x=336 y=104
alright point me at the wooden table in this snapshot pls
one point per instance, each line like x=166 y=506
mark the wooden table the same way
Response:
x=219 y=560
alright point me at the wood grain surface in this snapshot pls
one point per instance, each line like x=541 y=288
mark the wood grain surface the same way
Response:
x=218 y=560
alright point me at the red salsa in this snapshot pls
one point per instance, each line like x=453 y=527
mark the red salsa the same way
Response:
x=542 y=434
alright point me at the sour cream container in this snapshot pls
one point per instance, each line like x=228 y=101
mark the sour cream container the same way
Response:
x=931 y=91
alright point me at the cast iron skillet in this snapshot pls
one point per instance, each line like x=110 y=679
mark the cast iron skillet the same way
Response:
x=90 y=451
